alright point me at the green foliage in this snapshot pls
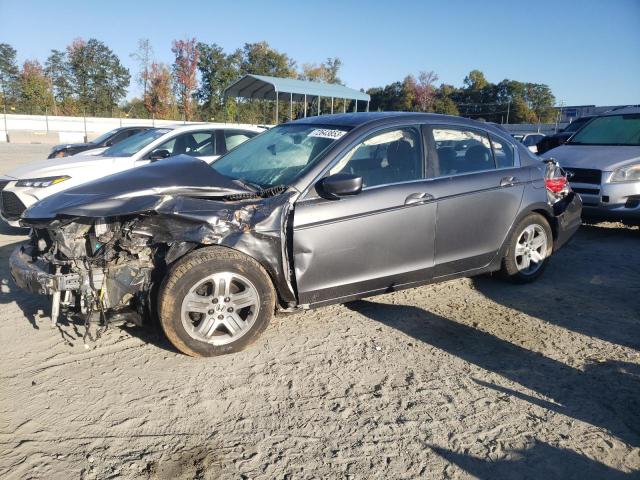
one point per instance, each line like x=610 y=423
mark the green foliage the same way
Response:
x=9 y=84
x=35 y=92
x=478 y=98
x=217 y=70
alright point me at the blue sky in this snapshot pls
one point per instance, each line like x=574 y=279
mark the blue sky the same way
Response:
x=587 y=51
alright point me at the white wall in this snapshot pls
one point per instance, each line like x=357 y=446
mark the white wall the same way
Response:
x=57 y=129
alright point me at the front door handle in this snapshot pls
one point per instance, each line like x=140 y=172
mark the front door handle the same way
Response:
x=508 y=181
x=418 y=197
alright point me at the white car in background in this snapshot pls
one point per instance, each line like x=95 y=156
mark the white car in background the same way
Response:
x=30 y=183
x=530 y=140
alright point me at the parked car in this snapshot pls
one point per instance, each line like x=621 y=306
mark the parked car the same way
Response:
x=25 y=185
x=552 y=141
x=104 y=141
x=316 y=211
x=603 y=158
x=529 y=140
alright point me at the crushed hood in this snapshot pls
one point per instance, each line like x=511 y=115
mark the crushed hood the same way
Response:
x=599 y=157
x=138 y=190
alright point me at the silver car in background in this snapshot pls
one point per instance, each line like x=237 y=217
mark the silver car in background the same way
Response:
x=603 y=160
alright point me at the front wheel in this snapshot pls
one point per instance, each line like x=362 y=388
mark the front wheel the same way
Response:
x=529 y=249
x=215 y=301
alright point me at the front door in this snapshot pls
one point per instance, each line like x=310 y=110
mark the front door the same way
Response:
x=376 y=240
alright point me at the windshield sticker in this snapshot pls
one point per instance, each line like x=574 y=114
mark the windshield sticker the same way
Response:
x=327 y=133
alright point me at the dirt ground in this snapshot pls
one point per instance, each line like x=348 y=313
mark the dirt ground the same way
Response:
x=471 y=378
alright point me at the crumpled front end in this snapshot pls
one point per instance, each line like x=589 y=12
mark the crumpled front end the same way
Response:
x=106 y=268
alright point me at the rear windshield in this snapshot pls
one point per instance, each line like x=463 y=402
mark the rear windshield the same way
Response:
x=612 y=130
x=135 y=143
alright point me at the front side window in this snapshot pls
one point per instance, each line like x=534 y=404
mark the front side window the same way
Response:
x=196 y=144
x=384 y=158
x=612 y=130
x=461 y=151
x=279 y=155
x=134 y=144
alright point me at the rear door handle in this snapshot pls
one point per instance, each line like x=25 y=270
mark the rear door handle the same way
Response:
x=508 y=181
x=418 y=197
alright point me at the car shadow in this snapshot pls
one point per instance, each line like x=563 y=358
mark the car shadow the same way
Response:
x=605 y=395
x=541 y=460
x=37 y=308
x=606 y=283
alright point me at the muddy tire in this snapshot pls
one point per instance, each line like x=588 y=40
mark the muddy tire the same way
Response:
x=215 y=301
x=528 y=250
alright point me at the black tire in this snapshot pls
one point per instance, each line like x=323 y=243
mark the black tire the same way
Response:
x=195 y=267
x=510 y=270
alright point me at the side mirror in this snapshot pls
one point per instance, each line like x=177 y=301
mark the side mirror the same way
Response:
x=159 y=155
x=339 y=185
x=108 y=144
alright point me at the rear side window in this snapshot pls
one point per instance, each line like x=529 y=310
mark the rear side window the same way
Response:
x=233 y=138
x=502 y=151
x=461 y=151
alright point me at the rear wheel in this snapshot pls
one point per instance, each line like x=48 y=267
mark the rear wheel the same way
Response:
x=529 y=249
x=215 y=301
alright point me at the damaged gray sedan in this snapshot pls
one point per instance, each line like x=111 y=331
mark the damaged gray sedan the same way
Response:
x=318 y=211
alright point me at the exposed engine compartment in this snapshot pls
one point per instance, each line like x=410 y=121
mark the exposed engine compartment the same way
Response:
x=104 y=266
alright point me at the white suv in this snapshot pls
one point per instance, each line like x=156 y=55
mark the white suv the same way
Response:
x=30 y=183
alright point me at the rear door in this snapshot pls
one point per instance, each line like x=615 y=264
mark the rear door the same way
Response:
x=376 y=240
x=478 y=186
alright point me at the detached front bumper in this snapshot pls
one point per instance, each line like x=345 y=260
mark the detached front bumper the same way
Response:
x=567 y=213
x=34 y=276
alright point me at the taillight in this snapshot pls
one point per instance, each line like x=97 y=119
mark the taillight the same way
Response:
x=555 y=185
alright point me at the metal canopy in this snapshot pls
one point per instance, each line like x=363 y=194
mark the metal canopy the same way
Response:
x=264 y=87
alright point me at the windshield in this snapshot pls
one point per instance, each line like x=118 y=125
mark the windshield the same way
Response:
x=135 y=143
x=615 y=130
x=103 y=137
x=278 y=156
x=576 y=125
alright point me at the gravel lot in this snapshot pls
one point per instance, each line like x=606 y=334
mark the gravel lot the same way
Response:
x=470 y=378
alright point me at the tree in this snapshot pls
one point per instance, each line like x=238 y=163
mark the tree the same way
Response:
x=424 y=90
x=260 y=59
x=9 y=84
x=443 y=102
x=159 y=98
x=35 y=90
x=184 y=73
x=98 y=78
x=56 y=69
x=144 y=57
x=217 y=71
x=326 y=71
x=475 y=80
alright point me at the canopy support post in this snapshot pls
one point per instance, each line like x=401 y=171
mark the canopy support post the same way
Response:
x=305 y=105
x=237 y=109
x=355 y=105
x=331 y=105
x=344 y=105
x=290 y=106
x=277 y=107
x=367 y=105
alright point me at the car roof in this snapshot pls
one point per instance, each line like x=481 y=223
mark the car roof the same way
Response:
x=357 y=119
x=631 y=109
x=199 y=126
